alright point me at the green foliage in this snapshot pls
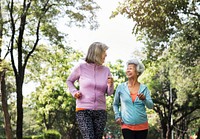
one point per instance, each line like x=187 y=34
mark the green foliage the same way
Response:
x=30 y=126
x=154 y=133
x=2 y=130
x=52 y=134
x=38 y=137
x=158 y=22
x=117 y=71
x=168 y=75
x=154 y=125
x=4 y=65
x=27 y=137
x=52 y=106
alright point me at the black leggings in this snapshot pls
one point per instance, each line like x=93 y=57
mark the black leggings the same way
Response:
x=130 y=134
x=91 y=123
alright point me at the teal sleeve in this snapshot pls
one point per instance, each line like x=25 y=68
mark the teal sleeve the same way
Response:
x=148 y=101
x=116 y=103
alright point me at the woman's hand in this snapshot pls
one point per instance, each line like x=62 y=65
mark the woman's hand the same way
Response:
x=78 y=95
x=110 y=80
x=119 y=121
x=141 y=96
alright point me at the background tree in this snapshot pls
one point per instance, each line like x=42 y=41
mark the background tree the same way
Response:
x=29 y=22
x=4 y=67
x=53 y=105
x=156 y=23
x=4 y=98
x=175 y=97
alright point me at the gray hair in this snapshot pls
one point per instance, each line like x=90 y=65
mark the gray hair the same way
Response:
x=139 y=65
x=95 y=51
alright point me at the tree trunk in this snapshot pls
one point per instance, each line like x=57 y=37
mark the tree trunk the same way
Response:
x=168 y=134
x=8 y=128
x=19 y=109
x=164 y=128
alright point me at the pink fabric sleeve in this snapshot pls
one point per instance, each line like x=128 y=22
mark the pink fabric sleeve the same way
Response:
x=74 y=76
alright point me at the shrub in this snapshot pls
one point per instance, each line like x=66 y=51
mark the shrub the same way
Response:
x=27 y=137
x=52 y=134
x=38 y=137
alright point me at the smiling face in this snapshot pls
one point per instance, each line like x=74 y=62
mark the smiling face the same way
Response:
x=131 y=71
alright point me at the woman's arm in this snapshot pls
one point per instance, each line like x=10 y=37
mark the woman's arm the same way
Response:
x=116 y=104
x=75 y=74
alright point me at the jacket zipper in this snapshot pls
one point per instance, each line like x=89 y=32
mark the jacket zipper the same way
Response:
x=94 y=88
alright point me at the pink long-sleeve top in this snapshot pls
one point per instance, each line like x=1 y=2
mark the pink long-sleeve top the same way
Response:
x=93 y=85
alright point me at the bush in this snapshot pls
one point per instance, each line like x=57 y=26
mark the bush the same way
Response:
x=27 y=137
x=52 y=134
x=38 y=137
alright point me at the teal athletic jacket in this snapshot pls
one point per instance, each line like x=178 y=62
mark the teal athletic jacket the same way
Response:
x=131 y=112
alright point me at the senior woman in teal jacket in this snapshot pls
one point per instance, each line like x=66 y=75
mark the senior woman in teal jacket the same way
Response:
x=130 y=102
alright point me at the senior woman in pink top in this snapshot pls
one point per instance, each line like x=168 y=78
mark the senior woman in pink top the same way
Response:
x=95 y=81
